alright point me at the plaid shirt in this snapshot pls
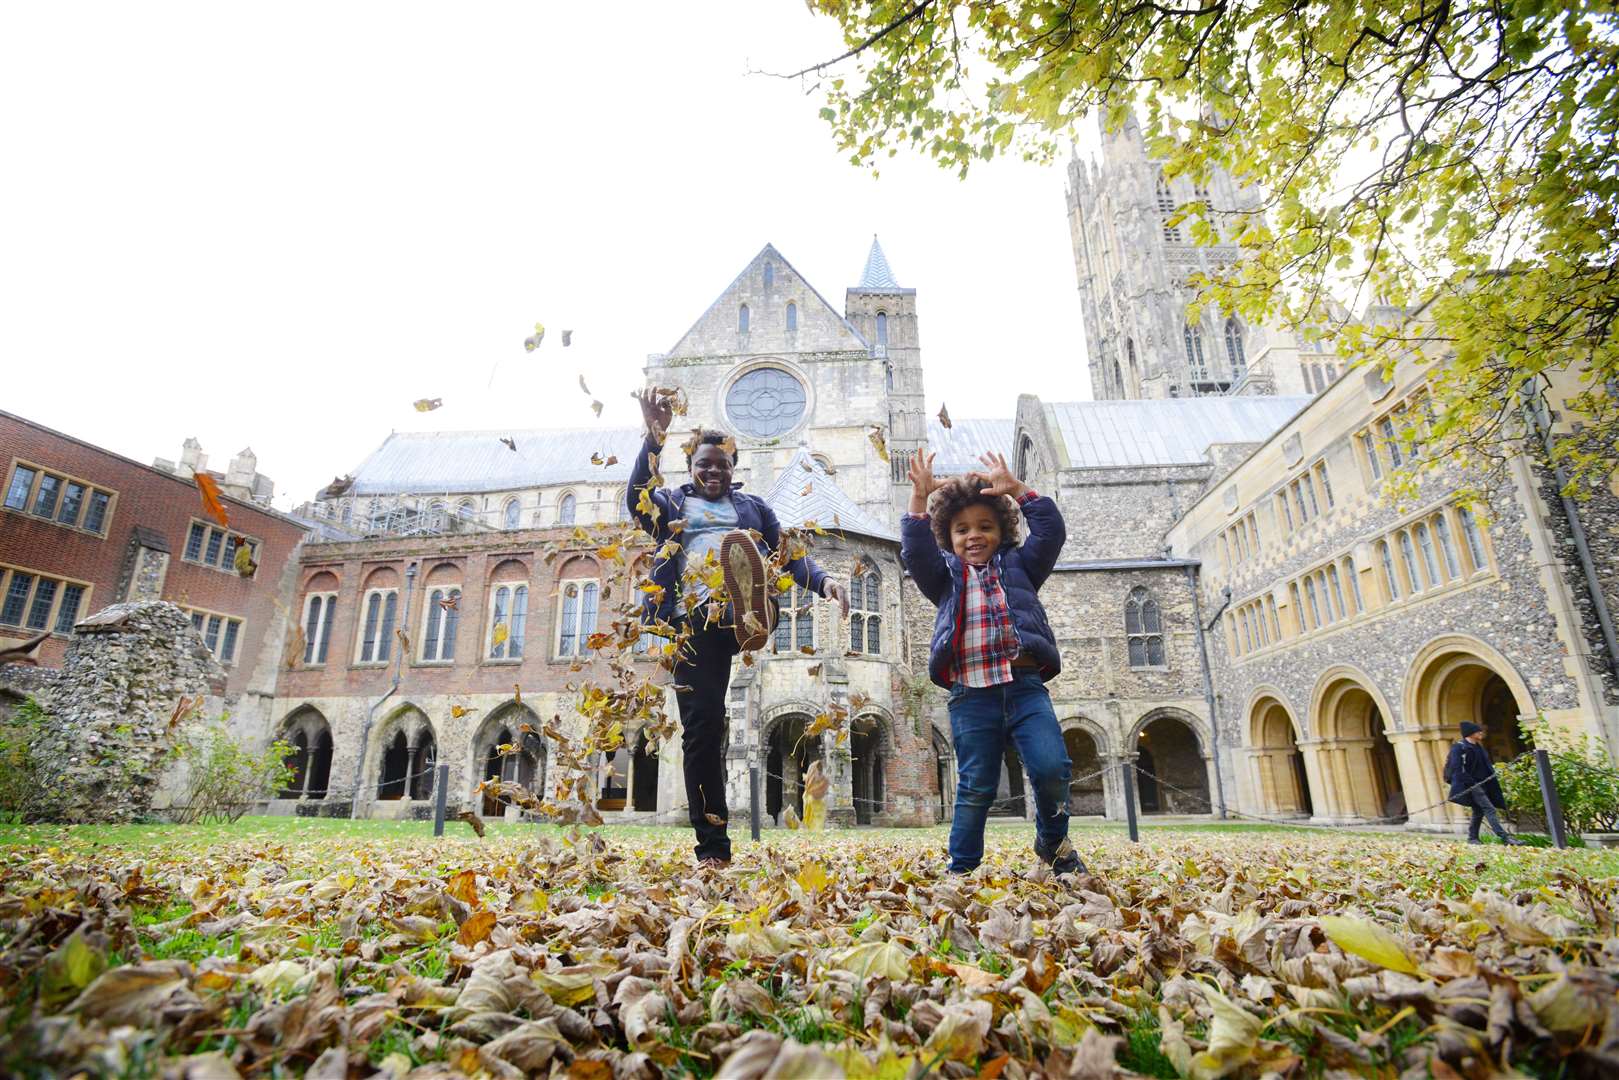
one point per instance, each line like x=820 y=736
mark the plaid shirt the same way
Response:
x=985 y=639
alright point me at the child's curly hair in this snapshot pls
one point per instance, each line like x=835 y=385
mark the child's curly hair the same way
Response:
x=965 y=491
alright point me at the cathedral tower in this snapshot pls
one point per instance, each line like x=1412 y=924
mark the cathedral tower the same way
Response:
x=885 y=315
x=1133 y=262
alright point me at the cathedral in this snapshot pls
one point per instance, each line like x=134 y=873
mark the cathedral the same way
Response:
x=1243 y=616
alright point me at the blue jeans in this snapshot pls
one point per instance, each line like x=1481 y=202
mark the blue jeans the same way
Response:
x=982 y=719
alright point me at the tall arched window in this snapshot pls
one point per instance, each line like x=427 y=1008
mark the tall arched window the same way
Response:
x=443 y=616
x=320 y=607
x=1447 y=547
x=770 y=276
x=792 y=316
x=796 y=626
x=1025 y=450
x=1166 y=210
x=513 y=509
x=1135 y=370
x=465 y=510
x=1391 y=581
x=1118 y=380
x=1413 y=576
x=566 y=509
x=865 y=611
x=1144 y=628
x=1233 y=348
x=510 y=610
x=882 y=333
x=1430 y=562
x=580 y=600
x=1475 y=540
x=742 y=319
x=1194 y=351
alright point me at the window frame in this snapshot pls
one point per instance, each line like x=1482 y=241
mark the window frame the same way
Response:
x=866 y=613
x=386 y=621
x=1474 y=541
x=570 y=619
x=63 y=480
x=316 y=648
x=226 y=619
x=796 y=611
x=504 y=597
x=226 y=563
x=439 y=624
x=53 y=615
x=1139 y=603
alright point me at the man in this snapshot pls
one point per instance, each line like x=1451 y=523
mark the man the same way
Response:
x=1473 y=783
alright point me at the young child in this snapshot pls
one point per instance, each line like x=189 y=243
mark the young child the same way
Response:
x=993 y=648
x=717 y=519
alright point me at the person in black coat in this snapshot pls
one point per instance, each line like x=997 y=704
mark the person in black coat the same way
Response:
x=1473 y=782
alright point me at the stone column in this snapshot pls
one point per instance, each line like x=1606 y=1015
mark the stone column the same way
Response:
x=1315 y=774
x=411 y=758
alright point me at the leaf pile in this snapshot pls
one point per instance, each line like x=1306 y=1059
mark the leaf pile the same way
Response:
x=536 y=952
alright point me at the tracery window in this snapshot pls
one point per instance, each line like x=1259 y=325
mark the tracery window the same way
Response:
x=566 y=509
x=795 y=627
x=510 y=613
x=443 y=616
x=1144 y=628
x=865 y=612
x=1233 y=347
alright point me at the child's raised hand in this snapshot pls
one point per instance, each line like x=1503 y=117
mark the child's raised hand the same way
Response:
x=1000 y=478
x=922 y=482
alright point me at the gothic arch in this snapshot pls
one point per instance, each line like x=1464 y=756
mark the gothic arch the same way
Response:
x=527 y=768
x=771 y=715
x=1199 y=727
x=307 y=729
x=1092 y=728
x=401 y=752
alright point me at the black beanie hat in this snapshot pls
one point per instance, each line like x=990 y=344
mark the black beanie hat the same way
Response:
x=1470 y=728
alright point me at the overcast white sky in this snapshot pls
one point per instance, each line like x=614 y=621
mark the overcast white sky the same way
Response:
x=278 y=226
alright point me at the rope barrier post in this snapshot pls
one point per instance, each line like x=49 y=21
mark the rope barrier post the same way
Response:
x=1548 y=795
x=753 y=798
x=441 y=794
x=1128 y=771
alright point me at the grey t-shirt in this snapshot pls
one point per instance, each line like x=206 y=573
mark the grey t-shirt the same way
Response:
x=706 y=525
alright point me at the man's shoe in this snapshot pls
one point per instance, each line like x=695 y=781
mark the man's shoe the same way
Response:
x=1065 y=860
x=748 y=587
x=1474 y=840
x=713 y=862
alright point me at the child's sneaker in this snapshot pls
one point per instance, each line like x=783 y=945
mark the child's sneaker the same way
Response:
x=748 y=588
x=1065 y=860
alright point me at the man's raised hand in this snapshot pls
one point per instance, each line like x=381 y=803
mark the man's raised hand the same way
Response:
x=655 y=411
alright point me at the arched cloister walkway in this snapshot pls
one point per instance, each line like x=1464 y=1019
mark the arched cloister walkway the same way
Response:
x=870 y=747
x=523 y=765
x=1361 y=776
x=1172 y=764
x=1454 y=678
x=311 y=760
x=1278 y=777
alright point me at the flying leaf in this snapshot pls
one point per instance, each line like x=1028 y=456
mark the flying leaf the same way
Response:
x=428 y=404
x=245 y=566
x=509 y=443
x=816 y=786
x=517 y=695
x=472 y=818
x=790 y=818
x=404 y=641
x=533 y=341
x=714 y=819
x=583 y=387
x=451 y=602
x=944 y=416
x=208 y=487
x=877 y=441
x=596 y=407
x=1368 y=941
x=458 y=711
x=500 y=634
x=567 y=338
x=728 y=444
x=807 y=489
x=813 y=670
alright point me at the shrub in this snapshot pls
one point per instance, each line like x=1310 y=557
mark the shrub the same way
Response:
x=19 y=774
x=1587 y=783
x=225 y=778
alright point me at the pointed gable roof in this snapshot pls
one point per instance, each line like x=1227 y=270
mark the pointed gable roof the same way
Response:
x=821 y=327
x=877 y=274
x=805 y=493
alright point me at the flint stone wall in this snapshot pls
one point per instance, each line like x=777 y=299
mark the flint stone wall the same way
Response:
x=102 y=757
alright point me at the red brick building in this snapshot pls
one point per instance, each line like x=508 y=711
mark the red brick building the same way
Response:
x=82 y=528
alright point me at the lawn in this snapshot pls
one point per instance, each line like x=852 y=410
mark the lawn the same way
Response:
x=277 y=946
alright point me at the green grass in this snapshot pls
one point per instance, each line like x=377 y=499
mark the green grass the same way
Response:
x=1140 y=1052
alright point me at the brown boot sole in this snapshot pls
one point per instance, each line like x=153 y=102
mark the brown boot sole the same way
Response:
x=748 y=587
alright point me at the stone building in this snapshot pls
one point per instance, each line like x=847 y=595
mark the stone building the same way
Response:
x=1355 y=632
x=82 y=528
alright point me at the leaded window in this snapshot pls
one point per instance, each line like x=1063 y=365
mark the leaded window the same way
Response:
x=443 y=617
x=1233 y=347
x=766 y=402
x=865 y=612
x=1447 y=546
x=792 y=316
x=566 y=509
x=1143 y=626
x=795 y=626
x=1475 y=542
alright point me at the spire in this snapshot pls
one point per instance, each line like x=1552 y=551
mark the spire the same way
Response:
x=877 y=274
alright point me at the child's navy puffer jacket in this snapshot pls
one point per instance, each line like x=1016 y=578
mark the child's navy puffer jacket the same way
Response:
x=941 y=577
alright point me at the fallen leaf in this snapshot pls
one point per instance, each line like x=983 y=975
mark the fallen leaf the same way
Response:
x=476 y=928
x=1368 y=941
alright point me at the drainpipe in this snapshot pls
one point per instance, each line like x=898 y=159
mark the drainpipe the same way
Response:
x=371 y=711
x=1536 y=408
x=1208 y=678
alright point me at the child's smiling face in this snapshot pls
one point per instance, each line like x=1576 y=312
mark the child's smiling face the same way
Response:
x=975 y=534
